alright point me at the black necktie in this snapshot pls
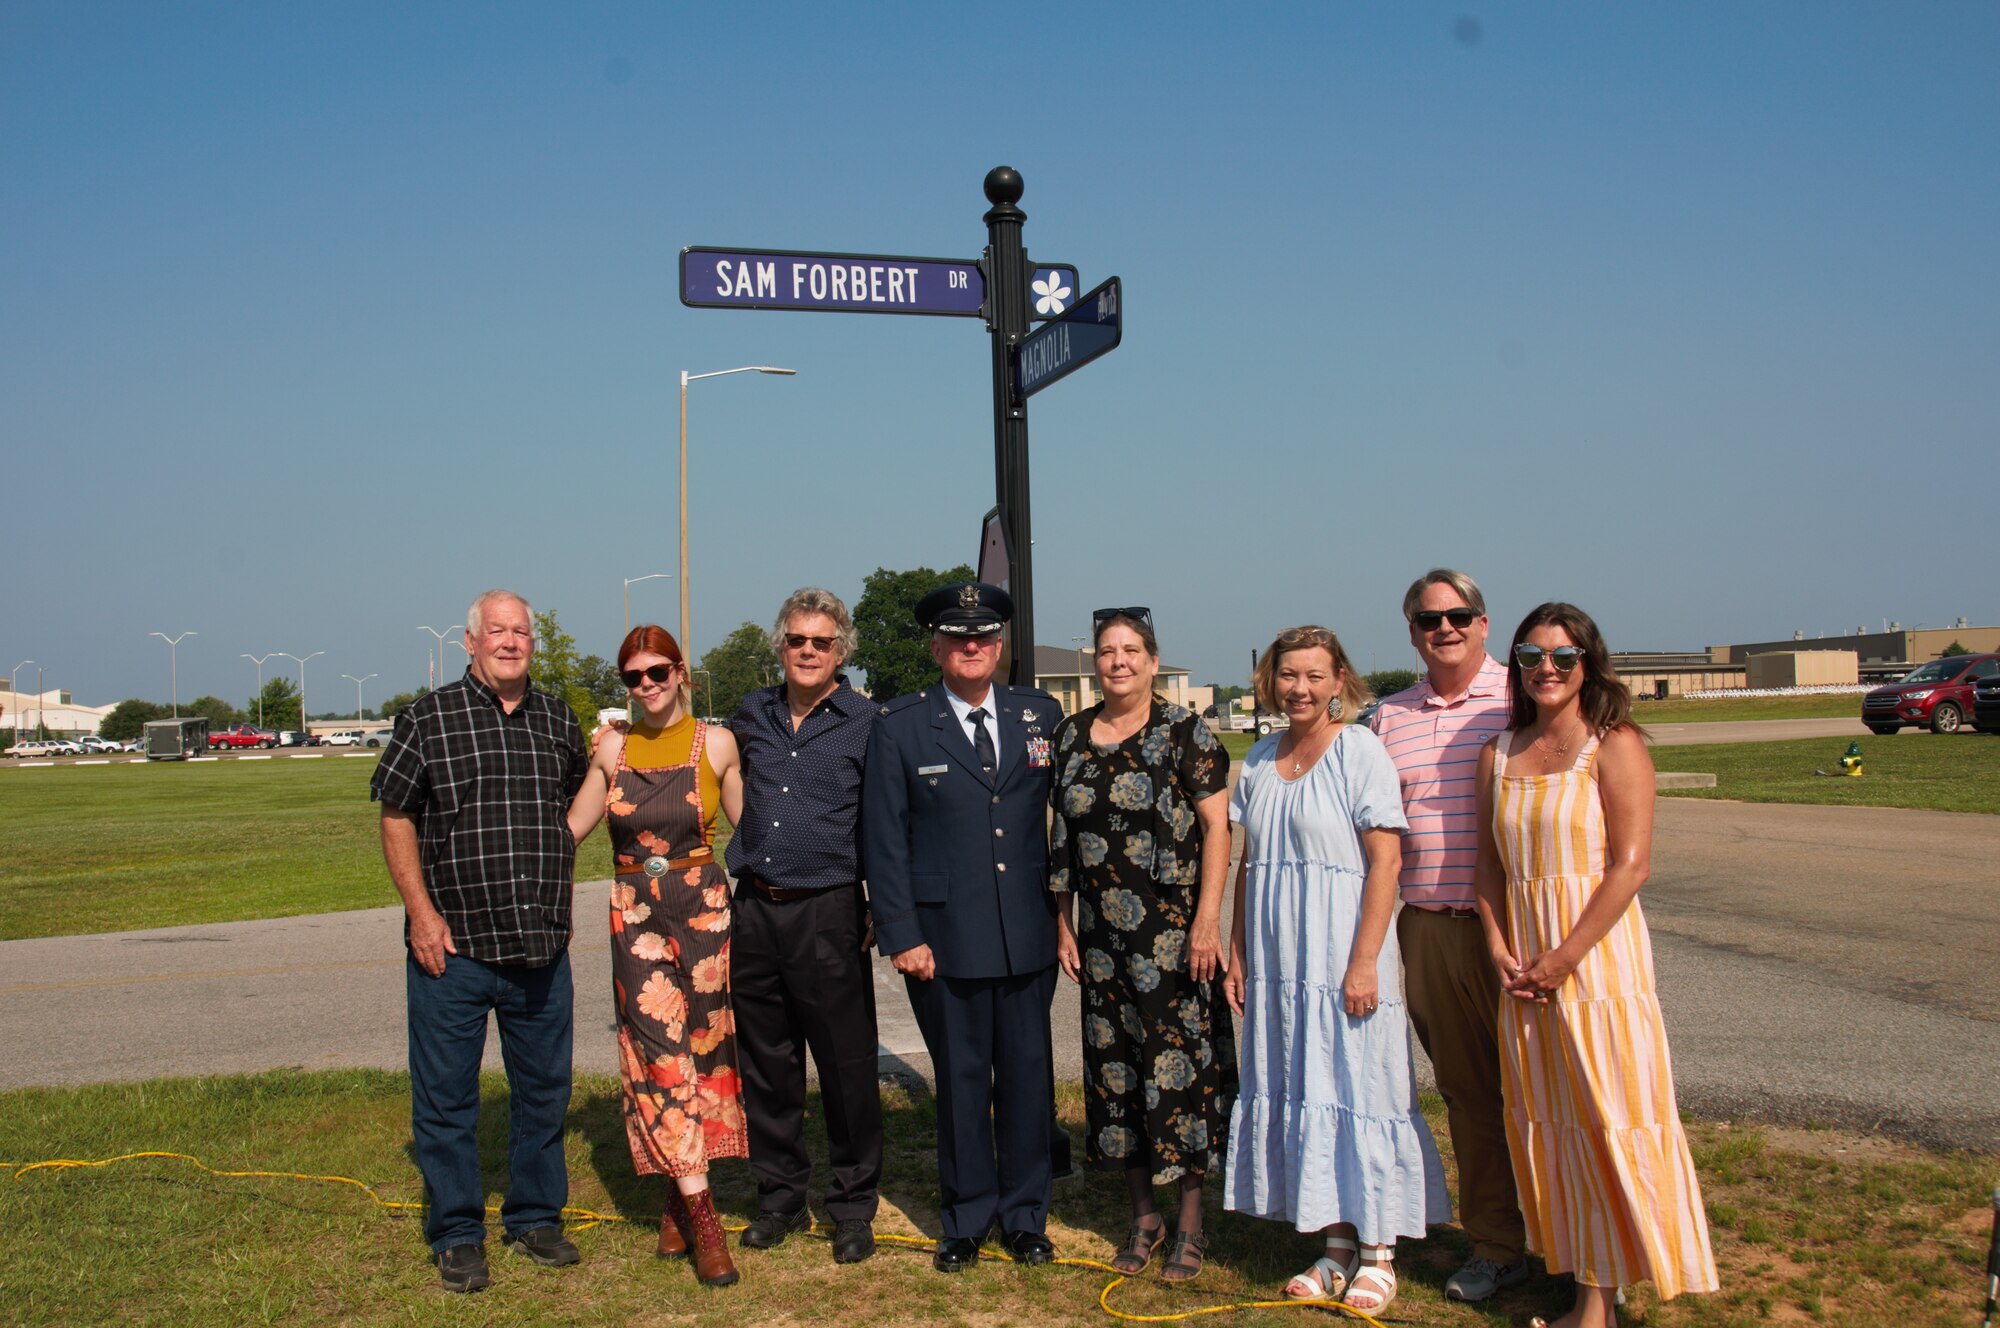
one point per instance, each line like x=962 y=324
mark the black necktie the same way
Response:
x=982 y=741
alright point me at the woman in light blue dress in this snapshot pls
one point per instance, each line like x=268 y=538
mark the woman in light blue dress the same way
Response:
x=1326 y=1133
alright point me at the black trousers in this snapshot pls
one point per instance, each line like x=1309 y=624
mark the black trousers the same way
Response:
x=989 y=1045
x=800 y=980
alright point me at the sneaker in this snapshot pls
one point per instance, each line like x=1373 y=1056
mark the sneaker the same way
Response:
x=546 y=1246
x=769 y=1230
x=1481 y=1278
x=463 y=1268
x=853 y=1240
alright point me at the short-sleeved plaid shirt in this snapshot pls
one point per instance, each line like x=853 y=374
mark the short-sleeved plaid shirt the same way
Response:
x=489 y=791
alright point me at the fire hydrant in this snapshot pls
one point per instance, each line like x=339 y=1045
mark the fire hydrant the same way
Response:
x=1850 y=764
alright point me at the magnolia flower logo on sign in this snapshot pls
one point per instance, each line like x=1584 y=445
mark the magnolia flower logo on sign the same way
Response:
x=1051 y=296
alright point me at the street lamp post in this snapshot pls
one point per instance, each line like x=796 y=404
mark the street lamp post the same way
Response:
x=258 y=660
x=173 y=664
x=687 y=646
x=357 y=693
x=304 y=727
x=14 y=696
x=650 y=576
x=437 y=665
x=1082 y=692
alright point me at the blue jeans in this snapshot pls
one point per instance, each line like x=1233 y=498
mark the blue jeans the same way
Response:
x=447 y=1040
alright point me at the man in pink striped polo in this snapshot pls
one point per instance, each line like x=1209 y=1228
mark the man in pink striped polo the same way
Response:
x=1434 y=732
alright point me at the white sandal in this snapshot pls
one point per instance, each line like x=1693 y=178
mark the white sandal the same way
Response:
x=1380 y=1280
x=1328 y=1277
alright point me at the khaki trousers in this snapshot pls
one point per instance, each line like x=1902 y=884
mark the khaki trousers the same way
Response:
x=1454 y=999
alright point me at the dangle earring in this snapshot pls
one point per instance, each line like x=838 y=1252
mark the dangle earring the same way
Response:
x=1336 y=707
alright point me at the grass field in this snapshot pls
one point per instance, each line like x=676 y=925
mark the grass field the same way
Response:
x=1957 y=772
x=1749 y=707
x=1808 y=1228
x=120 y=847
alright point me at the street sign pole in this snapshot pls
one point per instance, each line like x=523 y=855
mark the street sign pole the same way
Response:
x=1007 y=317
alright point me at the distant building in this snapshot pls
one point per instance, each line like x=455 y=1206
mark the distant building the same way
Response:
x=52 y=711
x=1879 y=655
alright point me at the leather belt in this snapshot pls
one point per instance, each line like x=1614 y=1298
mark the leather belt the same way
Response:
x=1460 y=912
x=777 y=894
x=657 y=866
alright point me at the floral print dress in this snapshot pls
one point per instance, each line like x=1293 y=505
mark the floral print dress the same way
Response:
x=1159 y=1051
x=683 y=1098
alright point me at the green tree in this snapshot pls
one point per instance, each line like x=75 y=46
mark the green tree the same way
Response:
x=1955 y=648
x=219 y=713
x=396 y=704
x=1387 y=682
x=278 y=703
x=739 y=666
x=890 y=648
x=127 y=719
x=559 y=670
x=599 y=677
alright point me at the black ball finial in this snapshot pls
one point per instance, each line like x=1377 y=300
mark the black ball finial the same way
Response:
x=1003 y=186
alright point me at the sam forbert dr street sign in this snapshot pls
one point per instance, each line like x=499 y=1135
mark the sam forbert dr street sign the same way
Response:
x=1091 y=327
x=855 y=283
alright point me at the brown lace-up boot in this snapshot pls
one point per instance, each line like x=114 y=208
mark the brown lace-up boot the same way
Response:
x=711 y=1247
x=673 y=1225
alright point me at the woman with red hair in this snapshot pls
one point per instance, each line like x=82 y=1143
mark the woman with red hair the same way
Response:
x=658 y=787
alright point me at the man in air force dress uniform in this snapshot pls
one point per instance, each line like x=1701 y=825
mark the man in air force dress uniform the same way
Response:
x=955 y=846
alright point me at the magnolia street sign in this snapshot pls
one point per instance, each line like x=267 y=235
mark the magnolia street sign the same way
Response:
x=1092 y=327
x=855 y=283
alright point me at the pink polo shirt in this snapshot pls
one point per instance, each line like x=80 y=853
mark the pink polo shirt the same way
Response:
x=1435 y=745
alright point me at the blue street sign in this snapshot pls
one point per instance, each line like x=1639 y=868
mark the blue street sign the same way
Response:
x=855 y=283
x=1090 y=328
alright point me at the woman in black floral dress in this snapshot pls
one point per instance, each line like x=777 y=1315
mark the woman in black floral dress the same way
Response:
x=1141 y=840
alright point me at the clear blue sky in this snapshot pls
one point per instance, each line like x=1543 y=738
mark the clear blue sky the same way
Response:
x=317 y=319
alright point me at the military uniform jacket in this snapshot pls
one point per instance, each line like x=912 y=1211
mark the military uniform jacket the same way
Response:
x=955 y=860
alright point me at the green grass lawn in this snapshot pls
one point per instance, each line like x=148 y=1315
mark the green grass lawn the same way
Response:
x=162 y=844
x=1957 y=772
x=1677 y=711
x=1807 y=1227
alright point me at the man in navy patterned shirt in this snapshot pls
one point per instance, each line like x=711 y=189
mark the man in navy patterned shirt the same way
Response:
x=800 y=976
x=474 y=786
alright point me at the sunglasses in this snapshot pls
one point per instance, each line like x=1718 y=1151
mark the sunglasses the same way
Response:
x=658 y=673
x=794 y=641
x=1137 y=613
x=1564 y=658
x=1429 y=620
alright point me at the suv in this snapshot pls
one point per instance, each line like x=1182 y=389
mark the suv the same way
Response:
x=90 y=742
x=1938 y=694
x=344 y=738
x=1986 y=705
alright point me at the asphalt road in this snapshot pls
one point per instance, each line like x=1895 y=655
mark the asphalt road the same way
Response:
x=1816 y=964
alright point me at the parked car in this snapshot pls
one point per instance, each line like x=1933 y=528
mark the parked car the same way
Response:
x=64 y=747
x=1986 y=705
x=28 y=747
x=379 y=738
x=241 y=736
x=132 y=745
x=1938 y=694
x=344 y=738
x=296 y=738
x=90 y=742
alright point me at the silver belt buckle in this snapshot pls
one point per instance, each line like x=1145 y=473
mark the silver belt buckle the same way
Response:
x=655 y=866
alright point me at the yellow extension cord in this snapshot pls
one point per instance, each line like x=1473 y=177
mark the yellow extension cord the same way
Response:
x=584 y=1218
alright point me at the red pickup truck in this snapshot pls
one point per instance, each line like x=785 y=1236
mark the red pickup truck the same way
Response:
x=241 y=735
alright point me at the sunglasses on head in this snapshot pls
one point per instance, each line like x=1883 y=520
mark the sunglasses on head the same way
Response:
x=1564 y=658
x=1429 y=620
x=796 y=641
x=658 y=673
x=1137 y=613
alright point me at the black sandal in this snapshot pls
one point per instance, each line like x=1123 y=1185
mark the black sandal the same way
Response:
x=1184 y=1259
x=1141 y=1242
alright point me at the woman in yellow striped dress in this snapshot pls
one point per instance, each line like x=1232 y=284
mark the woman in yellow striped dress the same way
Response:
x=1566 y=831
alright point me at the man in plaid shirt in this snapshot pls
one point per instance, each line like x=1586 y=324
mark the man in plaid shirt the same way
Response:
x=474 y=786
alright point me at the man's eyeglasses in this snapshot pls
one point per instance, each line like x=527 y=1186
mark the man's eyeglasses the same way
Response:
x=795 y=641
x=1138 y=613
x=1429 y=620
x=658 y=673
x=1564 y=658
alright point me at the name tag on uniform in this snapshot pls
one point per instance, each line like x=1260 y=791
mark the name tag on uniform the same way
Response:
x=932 y=769
x=1038 y=752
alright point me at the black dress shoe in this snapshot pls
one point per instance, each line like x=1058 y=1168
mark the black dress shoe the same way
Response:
x=1029 y=1247
x=768 y=1230
x=853 y=1240
x=954 y=1253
